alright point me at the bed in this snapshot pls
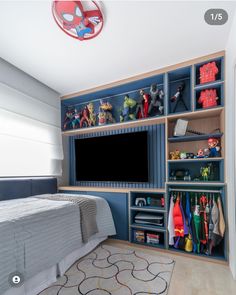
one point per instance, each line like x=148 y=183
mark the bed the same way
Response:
x=44 y=238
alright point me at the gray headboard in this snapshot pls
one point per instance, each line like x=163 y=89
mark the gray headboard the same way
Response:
x=22 y=188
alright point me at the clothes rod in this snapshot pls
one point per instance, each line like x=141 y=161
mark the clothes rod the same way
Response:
x=195 y=190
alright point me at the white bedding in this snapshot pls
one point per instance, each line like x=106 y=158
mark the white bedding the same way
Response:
x=37 y=234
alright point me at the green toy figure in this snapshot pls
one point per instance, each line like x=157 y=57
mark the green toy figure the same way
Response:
x=205 y=172
x=129 y=108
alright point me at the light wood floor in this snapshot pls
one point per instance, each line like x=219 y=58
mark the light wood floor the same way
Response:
x=192 y=276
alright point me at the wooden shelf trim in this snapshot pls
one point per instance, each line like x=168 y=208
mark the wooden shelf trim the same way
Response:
x=197 y=160
x=146 y=75
x=109 y=189
x=195 y=137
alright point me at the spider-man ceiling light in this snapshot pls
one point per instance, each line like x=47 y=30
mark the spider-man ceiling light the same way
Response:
x=77 y=22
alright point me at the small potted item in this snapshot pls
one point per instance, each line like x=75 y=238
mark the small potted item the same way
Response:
x=156 y=103
x=208 y=98
x=213 y=147
x=178 y=97
x=129 y=107
x=175 y=155
x=142 y=105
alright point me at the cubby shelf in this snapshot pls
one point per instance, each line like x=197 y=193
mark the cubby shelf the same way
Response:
x=147 y=208
x=195 y=137
x=148 y=227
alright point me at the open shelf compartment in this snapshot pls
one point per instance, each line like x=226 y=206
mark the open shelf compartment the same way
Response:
x=148 y=237
x=179 y=79
x=219 y=251
x=219 y=62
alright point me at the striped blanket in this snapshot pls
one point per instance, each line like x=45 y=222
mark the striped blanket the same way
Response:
x=88 y=212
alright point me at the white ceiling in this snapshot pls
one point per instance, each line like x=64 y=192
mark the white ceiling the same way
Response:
x=137 y=37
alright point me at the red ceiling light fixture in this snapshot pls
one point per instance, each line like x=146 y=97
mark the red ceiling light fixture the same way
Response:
x=81 y=20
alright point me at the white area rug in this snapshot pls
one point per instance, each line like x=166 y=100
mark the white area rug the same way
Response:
x=110 y=270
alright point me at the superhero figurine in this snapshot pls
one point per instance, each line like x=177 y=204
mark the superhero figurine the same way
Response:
x=128 y=109
x=156 y=100
x=68 y=118
x=178 y=97
x=205 y=172
x=105 y=114
x=76 y=120
x=84 y=121
x=74 y=20
x=214 y=148
x=92 y=115
x=142 y=105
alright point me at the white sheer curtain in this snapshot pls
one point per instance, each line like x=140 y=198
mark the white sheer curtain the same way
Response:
x=30 y=135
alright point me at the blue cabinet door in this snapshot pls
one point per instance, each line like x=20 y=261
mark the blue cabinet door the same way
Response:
x=118 y=203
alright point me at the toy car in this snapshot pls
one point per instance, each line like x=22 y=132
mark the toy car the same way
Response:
x=180 y=174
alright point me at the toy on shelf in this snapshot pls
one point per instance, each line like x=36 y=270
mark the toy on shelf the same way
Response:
x=183 y=155
x=156 y=104
x=69 y=115
x=180 y=174
x=181 y=128
x=189 y=155
x=205 y=172
x=208 y=98
x=84 y=120
x=105 y=114
x=213 y=147
x=142 y=105
x=201 y=154
x=129 y=108
x=208 y=72
x=175 y=155
x=140 y=202
x=76 y=119
x=92 y=114
x=178 y=97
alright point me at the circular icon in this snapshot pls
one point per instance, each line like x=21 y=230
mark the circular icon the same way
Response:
x=216 y=17
x=16 y=279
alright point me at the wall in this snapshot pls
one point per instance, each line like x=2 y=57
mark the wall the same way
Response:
x=230 y=143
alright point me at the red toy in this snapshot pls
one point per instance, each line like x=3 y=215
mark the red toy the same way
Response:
x=208 y=72
x=77 y=22
x=208 y=98
x=143 y=105
x=84 y=121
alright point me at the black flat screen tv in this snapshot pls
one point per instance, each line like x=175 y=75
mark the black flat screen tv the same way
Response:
x=113 y=158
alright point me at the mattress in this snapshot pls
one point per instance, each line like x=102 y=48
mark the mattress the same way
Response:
x=37 y=233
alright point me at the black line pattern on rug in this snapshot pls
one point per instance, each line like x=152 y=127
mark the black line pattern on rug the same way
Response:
x=117 y=273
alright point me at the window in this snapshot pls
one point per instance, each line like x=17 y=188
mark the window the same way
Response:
x=30 y=135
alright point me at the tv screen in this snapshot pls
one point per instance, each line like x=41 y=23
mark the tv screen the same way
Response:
x=121 y=158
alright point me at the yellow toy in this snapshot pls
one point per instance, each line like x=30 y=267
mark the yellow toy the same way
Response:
x=175 y=155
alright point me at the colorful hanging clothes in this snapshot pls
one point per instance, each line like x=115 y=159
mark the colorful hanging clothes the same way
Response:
x=178 y=219
x=171 y=227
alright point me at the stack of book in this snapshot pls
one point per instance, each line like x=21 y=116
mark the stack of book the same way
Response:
x=153 y=238
x=139 y=236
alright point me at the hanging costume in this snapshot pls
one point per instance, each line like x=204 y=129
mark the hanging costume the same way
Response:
x=171 y=227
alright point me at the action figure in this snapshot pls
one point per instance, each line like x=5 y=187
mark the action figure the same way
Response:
x=76 y=119
x=105 y=114
x=128 y=109
x=156 y=100
x=205 y=172
x=142 y=105
x=214 y=148
x=178 y=97
x=92 y=115
x=68 y=118
x=84 y=121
